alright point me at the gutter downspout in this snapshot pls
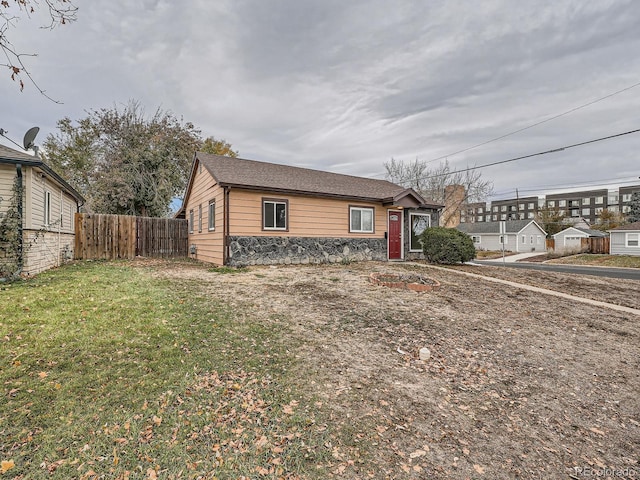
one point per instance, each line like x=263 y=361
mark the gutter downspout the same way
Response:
x=225 y=232
x=19 y=208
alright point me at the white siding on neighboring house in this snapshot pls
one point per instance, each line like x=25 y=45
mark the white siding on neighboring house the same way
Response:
x=624 y=244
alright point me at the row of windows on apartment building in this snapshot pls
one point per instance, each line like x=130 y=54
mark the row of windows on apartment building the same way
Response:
x=275 y=216
x=585 y=207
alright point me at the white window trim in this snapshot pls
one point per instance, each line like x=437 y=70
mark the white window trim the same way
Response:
x=191 y=221
x=632 y=236
x=476 y=239
x=361 y=209
x=411 y=215
x=211 y=216
x=47 y=209
x=286 y=214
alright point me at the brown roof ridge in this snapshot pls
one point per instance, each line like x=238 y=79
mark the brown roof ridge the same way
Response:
x=247 y=173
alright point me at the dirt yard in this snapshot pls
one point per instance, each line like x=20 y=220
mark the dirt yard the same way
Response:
x=519 y=384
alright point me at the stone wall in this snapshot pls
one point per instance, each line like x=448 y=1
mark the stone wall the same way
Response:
x=296 y=250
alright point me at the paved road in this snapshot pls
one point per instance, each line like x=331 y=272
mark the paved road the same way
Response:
x=626 y=273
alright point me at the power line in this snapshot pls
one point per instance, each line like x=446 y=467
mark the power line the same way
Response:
x=531 y=155
x=563 y=186
x=535 y=124
x=528 y=127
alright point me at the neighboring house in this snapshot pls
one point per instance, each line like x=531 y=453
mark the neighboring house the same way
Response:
x=244 y=212
x=517 y=236
x=625 y=240
x=570 y=239
x=44 y=214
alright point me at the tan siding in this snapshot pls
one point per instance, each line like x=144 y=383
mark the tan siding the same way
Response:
x=308 y=216
x=7 y=176
x=209 y=243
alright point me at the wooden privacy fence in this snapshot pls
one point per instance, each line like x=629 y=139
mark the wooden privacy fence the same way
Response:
x=107 y=237
x=595 y=244
x=587 y=245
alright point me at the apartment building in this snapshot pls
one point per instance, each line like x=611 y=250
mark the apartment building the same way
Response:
x=586 y=204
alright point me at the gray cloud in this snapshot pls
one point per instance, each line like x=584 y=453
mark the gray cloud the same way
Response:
x=345 y=86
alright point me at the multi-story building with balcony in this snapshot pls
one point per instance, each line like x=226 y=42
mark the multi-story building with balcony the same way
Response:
x=586 y=204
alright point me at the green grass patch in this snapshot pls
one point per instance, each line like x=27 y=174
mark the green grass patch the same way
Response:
x=626 y=261
x=107 y=372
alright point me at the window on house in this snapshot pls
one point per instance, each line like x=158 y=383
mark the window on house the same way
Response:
x=598 y=210
x=495 y=208
x=47 y=208
x=72 y=217
x=503 y=216
x=503 y=208
x=633 y=239
x=626 y=208
x=524 y=239
x=211 y=215
x=586 y=201
x=530 y=215
x=531 y=206
x=586 y=212
x=419 y=223
x=521 y=216
x=626 y=197
x=551 y=203
x=531 y=239
x=480 y=210
x=361 y=219
x=476 y=238
x=274 y=214
x=599 y=200
x=191 y=221
x=521 y=206
x=200 y=218
x=562 y=203
x=494 y=217
x=503 y=239
x=613 y=199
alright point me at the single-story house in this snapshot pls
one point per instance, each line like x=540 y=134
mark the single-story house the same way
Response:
x=245 y=212
x=516 y=235
x=625 y=240
x=37 y=210
x=570 y=239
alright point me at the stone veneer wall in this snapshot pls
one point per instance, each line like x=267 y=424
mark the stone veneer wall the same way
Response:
x=295 y=250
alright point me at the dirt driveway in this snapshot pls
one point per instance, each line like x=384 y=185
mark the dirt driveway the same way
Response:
x=519 y=384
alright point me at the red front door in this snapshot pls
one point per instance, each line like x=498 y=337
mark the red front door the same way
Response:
x=395 y=235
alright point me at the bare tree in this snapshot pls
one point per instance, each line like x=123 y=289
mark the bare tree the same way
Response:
x=432 y=183
x=60 y=12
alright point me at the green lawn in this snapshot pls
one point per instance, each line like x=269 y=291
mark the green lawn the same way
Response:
x=108 y=372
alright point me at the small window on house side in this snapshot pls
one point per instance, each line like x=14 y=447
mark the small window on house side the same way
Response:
x=47 y=208
x=191 y=221
x=274 y=214
x=524 y=239
x=200 y=218
x=476 y=238
x=212 y=215
x=361 y=219
x=633 y=239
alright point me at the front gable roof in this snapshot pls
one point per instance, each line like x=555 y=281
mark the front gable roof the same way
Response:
x=14 y=157
x=588 y=232
x=254 y=175
x=487 y=228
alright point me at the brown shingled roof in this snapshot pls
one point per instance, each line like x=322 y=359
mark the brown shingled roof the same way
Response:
x=628 y=226
x=238 y=172
x=11 y=154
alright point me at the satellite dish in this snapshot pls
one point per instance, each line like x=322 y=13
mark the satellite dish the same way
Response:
x=29 y=137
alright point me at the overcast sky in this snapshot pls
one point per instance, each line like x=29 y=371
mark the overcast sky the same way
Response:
x=345 y=86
